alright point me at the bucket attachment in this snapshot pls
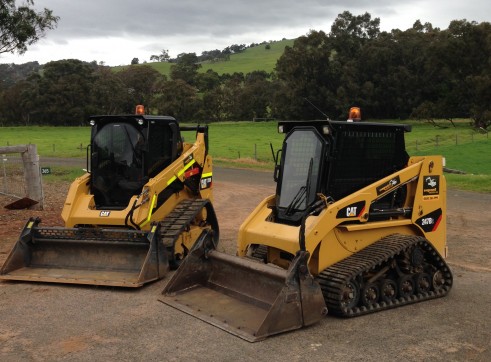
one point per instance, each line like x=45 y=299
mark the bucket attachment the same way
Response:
x=244 y=297
x=112 y=257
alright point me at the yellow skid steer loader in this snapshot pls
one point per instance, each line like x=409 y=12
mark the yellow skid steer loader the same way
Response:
x=355 y=225
x=144 y=202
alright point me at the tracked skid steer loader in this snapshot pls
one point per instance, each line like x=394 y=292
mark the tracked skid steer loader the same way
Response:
x=145 y=200
x=355 y=225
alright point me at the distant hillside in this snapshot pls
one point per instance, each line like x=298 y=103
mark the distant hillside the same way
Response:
x=255 y=58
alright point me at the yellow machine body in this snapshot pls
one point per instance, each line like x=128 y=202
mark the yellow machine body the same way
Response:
x=331 y=238
x=145 y=201
x=355 y=226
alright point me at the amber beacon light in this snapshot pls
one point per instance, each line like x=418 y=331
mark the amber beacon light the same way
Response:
x=140 y=109
x=354 y=114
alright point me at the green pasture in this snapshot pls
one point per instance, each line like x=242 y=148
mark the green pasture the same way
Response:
x=251 y=59
x=50 y=141
x=247 y=145
x=255 y=58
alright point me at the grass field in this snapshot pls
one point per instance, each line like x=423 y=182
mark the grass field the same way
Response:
x=50 y=141
x=247 y=145
x=255 y=58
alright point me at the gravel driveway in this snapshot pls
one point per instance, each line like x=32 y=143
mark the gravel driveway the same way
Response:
x=40 y=322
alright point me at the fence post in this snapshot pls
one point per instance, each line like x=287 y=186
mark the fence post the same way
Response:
x=255 y=151
x=4 y=159
x=32 y=173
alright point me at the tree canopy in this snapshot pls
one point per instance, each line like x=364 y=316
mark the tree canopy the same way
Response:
x=420 y=72
x=22 y=26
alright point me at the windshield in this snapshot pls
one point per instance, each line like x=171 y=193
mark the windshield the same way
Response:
x=118 y=143
x=117 y=163
x=302 y=156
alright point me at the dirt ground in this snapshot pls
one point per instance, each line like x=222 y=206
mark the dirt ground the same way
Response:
x=41 y=322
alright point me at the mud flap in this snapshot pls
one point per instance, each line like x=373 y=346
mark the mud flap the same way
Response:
x=246 y=298
x=111 y=257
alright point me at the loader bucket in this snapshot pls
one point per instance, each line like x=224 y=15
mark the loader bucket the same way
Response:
x=244 y=297
x=112 y=257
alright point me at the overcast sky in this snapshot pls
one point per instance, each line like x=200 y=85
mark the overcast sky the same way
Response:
x=116 y=31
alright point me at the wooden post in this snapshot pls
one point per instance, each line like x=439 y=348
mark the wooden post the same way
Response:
x=32 y=172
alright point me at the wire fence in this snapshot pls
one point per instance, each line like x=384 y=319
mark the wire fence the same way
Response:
x=257 y=152
x=261 y=152
x=458 y=139
x=12 y=179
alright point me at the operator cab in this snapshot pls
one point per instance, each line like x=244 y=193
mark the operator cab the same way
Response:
x=334 y=159
x=126 y=151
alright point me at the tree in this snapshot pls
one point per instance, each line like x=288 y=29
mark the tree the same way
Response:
x=109 y=94
x=481 y=100
x=140 y=84
x=211 y=55
x=186 y=68
x=208 y=80
x=307 y=70
x=22 y=26
x=350 y=31
x=61 y=95
x=10 y=74
x=256 y=94
x=65 y=89
x=13 y=104
x=178 y=99
x=162 y=57
x=135 y=61
x=213 y=102
x=237 y=48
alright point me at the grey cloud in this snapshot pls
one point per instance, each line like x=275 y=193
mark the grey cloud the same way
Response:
x=117 y=30
x=219 y=18
x=92 y=18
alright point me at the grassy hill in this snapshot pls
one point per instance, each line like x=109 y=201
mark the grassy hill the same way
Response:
x=255 y=58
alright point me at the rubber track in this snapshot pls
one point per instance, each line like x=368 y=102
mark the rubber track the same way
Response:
x=179 y=220
x=260 y=253
x=333 y=279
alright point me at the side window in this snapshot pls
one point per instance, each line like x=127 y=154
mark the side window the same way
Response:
x=159 y=148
